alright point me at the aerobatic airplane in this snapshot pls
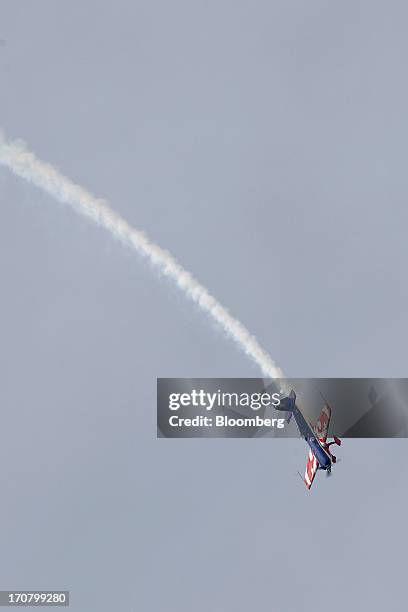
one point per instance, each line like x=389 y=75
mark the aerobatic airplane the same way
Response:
x=319 y=457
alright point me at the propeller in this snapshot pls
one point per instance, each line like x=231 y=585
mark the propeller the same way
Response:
x=329 y=473
x=300 y=476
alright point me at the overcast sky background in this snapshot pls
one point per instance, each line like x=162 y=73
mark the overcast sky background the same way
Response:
x=264 y=144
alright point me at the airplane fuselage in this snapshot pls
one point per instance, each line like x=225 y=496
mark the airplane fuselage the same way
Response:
x=319 y=452
x=308 y=434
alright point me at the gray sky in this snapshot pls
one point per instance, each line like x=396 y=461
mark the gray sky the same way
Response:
x=264 y=145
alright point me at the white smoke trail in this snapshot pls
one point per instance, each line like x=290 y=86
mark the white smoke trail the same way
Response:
x=23 y=163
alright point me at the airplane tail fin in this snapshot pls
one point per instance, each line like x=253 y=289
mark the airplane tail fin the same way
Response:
x=287 y=404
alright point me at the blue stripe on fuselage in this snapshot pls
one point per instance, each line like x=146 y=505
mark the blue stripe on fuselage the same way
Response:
x=304 y=428
x=309 y=435
x=319 y=453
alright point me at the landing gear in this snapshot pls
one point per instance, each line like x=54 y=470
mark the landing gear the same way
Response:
x=335 y=441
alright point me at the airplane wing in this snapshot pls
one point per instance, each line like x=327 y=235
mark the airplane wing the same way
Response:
x=322 y=425
x=311 y=469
